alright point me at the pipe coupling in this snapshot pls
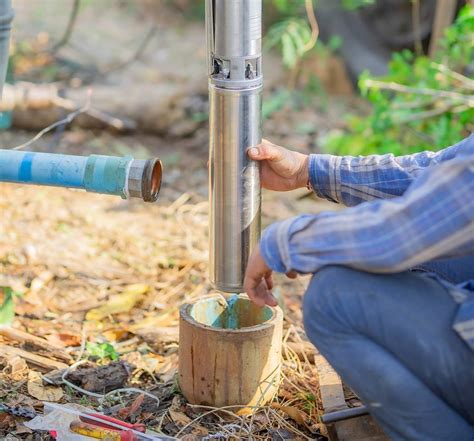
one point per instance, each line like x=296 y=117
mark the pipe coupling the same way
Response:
x=144 y=179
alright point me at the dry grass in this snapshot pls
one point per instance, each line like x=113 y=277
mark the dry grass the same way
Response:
x=68 y=252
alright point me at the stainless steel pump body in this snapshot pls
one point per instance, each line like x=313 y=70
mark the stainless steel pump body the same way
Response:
x=234 y=35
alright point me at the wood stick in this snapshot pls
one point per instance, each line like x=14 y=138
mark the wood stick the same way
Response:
x=33 y=340
x=396 y=87
x=38 y=360
x=445 y=10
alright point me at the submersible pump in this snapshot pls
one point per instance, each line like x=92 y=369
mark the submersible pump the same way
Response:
x=234 y=42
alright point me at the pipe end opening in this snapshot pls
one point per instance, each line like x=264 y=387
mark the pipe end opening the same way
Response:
x=152 y=177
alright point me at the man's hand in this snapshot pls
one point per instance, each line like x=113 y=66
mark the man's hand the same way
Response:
x=282 y=169
x=258 y=281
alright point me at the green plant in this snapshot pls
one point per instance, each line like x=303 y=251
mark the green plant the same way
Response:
x=293 y=36
x=421 y=104
x=7 y=308
x=102 y=351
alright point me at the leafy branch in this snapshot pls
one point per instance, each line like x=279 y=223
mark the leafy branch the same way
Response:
x=421 y=104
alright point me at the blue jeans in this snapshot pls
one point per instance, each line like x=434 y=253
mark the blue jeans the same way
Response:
x=390 y=338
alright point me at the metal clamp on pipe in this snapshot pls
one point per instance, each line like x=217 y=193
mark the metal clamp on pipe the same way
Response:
x=121 y=176
x=234 y=34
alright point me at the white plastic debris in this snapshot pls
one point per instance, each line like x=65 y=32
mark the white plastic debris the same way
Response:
x=58 y=419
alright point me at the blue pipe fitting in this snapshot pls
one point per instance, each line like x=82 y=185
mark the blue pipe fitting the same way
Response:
x=107 y=174
x=121 y=176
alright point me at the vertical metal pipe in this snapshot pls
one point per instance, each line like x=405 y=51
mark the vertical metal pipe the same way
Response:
x=235 y=97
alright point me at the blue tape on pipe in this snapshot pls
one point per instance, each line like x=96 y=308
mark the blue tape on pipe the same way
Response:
x=106 y=174
x=25 y=167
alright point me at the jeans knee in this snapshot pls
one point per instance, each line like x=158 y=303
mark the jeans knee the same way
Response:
x=326 y=286
x=324 y=297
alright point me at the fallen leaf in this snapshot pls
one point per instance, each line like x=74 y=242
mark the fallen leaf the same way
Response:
x=20 y=400
x=6 y=421
x=293 y=412
x=169 y=369
x=165 y=378
x=179 y=418
x=150 y=362
x=261 y=418
x=116 y=334
x=17 y=365
x=133 y=409
x=245 y=411
x=65 y=339
x=285 y=394
x=39 y=391
x=123 y=302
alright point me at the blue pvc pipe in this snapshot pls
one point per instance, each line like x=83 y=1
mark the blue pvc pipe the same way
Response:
x=95 y=173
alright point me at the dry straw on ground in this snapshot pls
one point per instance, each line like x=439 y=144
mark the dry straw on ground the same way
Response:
x=93 y=269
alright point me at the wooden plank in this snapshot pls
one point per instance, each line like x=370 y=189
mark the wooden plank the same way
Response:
x=38 y=360
x=330 y=386
x=362 y=428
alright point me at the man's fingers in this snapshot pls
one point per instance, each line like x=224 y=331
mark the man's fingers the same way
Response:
x=264 y=296
x=266 y=151
x=255 y=292
x=259 y=292
x=270 y=300
x=269 y=280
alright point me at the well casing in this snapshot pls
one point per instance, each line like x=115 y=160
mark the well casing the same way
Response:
x=229 y=352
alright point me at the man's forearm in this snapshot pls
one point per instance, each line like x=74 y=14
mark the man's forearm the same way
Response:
x=350 y=180
x=434 y=219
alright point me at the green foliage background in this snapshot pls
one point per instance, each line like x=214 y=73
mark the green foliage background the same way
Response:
x=435 y=110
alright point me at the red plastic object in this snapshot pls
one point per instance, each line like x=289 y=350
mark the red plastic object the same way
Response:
x=138 y=427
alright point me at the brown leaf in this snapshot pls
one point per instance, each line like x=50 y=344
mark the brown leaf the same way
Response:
x=181 y=420
x=65 y=339
x=245 y=411
x=169 y=369
x=6 y=421
x=168 y=376
x=17 y=366
x=151 y=363
x=133 y=409
x=39 y=391
x=116 y=334
x=293 y=412
x=286 y=394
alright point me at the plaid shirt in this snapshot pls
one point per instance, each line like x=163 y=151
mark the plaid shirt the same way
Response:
x=405 y=211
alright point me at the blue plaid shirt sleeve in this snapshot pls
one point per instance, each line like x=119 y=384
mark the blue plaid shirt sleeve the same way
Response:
x=418 y=208
x=351 y=180
x=430 y=217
